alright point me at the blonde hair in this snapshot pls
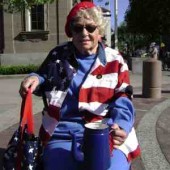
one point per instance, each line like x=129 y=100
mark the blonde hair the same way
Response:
x=96 y=15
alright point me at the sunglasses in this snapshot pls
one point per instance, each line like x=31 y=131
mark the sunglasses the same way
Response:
x=80 y=28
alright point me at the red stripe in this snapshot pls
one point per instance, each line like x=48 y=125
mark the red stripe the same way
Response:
x=111 y=67
x=54 y=112
x=99 y=94
x=134 y=154
x=111 y=143
x=123 y=78
x=44 y=136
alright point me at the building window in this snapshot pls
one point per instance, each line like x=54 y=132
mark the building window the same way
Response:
x=35 y=23
x=33 y=19
x=37 y=17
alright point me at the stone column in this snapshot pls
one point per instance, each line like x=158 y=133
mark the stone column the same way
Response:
x=152 y=78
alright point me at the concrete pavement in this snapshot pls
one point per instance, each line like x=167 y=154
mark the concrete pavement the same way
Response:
x=10 y=101
x=152 y=120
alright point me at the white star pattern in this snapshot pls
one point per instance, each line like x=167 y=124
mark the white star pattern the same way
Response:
x=61 y=69
x=16 y=138
x=54 y=53
x=57 y=61
x=30 y=167
x=29 y=159
x=31 y=150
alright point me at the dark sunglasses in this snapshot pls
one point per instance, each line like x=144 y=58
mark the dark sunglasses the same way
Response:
x=79 y=28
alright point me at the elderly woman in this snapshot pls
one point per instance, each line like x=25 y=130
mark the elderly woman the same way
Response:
x=84 y=81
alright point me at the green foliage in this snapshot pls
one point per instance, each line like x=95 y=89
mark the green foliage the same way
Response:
x=149 y=17
x=10 y=70
x=18 y=5
x=131 y=41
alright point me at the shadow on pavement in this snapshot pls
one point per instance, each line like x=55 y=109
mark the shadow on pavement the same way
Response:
x=165 y=91
x=137 y=96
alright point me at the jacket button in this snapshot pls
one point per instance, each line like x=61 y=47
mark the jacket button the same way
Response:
x=99 y=76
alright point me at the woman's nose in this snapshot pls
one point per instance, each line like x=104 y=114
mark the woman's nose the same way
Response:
x=85 y=32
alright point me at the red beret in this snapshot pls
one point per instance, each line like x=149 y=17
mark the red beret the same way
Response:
x=73 y=12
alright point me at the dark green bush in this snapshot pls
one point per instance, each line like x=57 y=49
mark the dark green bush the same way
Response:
x=8 y=70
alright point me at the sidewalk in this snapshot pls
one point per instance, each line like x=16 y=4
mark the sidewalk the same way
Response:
x=152 y=126
x=152 y=120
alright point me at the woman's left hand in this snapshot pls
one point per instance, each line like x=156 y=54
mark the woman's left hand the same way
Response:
x=118 y=135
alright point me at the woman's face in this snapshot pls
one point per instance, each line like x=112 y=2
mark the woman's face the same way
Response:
x=85 y=34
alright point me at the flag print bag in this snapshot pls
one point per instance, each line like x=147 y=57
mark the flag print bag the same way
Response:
x=24 y=149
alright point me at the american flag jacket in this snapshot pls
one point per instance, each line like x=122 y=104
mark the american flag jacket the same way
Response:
x=106 y=81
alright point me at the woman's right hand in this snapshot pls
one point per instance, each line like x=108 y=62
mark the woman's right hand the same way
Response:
x=29 y=82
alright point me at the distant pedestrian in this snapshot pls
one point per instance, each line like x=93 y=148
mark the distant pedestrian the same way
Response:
x=162 y=52
x=153 y=50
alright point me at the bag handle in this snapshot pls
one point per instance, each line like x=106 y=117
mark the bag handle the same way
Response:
x=26 y=121
x=27 y=113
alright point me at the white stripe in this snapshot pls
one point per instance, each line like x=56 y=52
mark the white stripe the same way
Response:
x=107 y=81
x=121 y=88
x=56 y=98
x=96 y=65
x=49 y=123
x=112 y=55
x=130 y=144
x=94 y=107
x=124 y=67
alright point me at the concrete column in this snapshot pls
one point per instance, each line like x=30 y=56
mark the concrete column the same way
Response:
x=152 y=78
x=28 y=19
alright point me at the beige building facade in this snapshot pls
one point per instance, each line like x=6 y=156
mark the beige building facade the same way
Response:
x=28 y=36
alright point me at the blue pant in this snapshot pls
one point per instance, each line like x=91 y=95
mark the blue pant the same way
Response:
x=57 y=154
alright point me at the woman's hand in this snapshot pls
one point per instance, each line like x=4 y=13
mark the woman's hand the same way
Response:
x=118 y=136
x=29 y=82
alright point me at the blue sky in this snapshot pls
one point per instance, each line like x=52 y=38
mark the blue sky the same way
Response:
x=122 y=7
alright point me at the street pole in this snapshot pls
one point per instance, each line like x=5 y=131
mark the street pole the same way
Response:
x=109 y=27
x=115 y=26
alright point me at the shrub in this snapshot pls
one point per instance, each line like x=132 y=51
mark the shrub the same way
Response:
x=8 y=70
